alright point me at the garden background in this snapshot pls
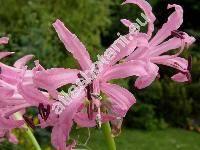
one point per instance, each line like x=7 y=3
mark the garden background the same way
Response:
x=167 y=114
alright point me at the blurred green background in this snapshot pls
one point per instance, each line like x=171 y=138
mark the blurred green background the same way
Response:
x=164 y=111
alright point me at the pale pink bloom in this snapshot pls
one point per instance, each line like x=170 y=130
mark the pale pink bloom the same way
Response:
x=121 y=99
x=17 y=93
x=159 y=45
x=7 y=123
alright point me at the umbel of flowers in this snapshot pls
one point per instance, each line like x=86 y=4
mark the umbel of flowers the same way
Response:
x=135 y=54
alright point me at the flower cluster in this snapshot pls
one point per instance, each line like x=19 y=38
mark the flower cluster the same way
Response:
x=139 y=56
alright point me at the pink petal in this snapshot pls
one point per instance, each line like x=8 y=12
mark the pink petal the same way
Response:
x=32 y=95
x=73 y=45
x=174 y=22
x=55 y=77
x=10 y=123
x=58 y=136
x=172 y=44
x=146 y=7
x=132 y=41
x=4 y=40
x=4 y=54
x=127 y=69
x=13 y=139
x=180 y=77
x=143 y=47
x=121 y=98
x=176 y=62
x=61 y=130
x=22 y=61
x=52 y=79
x=6 y=92
x=145 y=80
x=8 y=111
x=10 y=74
x=126 y=22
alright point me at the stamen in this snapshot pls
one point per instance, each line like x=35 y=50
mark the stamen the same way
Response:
x=98 y=120
x=178 y=34
x=79 y=75
x=89 y=107
x=96 y=96
x=29 y=121
x=47 y=112
x=44 y=112
x=41 y=110
x=177 y=65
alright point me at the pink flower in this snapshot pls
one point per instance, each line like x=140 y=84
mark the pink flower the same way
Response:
x=17 y=93
x=159 y=45
x=121 y=99
x=7 y=123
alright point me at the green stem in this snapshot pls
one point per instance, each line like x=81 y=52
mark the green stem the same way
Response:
x=108 y=136
x=28 y=132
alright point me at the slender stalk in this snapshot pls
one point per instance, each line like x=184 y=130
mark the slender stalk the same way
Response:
x=108 y=136
x=28 y=132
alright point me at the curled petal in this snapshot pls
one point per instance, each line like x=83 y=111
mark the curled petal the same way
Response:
x=4 y=54
x=20 y=63
x=121 y=98
x=180 y=77
x=172 y=44
x=10 y=74
x=177 y=62
x=52 y=79
x=174 y=22
x=32 y=95
x=145 y=80
x=146 y=7
x=126 y=22
x=130 y=68
x=73 y=45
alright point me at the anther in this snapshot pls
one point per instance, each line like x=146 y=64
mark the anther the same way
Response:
x=178 y=34
x=98 y=120
x=96 y=96
x=44 y=112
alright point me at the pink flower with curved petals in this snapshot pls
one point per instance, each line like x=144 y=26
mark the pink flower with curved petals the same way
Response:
x=158 y=46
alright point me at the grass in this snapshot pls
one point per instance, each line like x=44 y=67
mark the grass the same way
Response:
x=169 y=139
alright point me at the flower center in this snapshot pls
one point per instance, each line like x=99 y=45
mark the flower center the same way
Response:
x=44 y=112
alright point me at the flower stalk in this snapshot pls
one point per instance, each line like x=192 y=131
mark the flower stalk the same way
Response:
x=108 y=136
x=28 y=131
